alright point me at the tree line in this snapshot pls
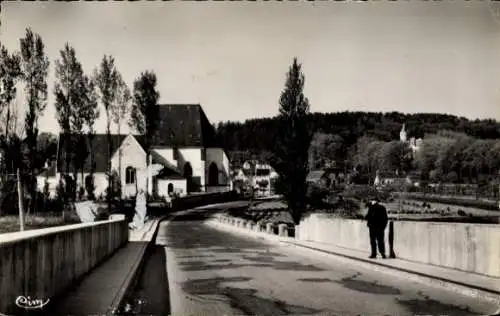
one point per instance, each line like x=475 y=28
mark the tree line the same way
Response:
x=443 y=157
x=254 y=134
x=454 y=149
x=458 y=158
x=80 y=99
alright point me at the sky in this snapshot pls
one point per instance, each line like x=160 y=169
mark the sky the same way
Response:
x=232 y=57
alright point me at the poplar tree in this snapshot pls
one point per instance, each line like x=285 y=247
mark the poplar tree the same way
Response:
x=72 y=92
x=292 y=143
x=145 y=110
x=106 y=78
x=34 y=71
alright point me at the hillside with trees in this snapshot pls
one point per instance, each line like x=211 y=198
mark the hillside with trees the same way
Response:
x=257 y=134
x=455 y=149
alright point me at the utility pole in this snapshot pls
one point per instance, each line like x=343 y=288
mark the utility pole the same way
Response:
x=20 y=200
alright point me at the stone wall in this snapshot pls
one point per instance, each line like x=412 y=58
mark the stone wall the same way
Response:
x=467 y=247
x=44 y=263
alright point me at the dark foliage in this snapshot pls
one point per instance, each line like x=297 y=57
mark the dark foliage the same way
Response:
x=253 y=134
x=145 y=111
x=316 y=195
x=90 y=187
x=113 y=191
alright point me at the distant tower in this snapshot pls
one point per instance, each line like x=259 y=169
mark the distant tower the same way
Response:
x=402 y=134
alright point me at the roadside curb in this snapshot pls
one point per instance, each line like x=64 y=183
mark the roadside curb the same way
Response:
x=128 y=283
x=470 y=290
x=132 y=277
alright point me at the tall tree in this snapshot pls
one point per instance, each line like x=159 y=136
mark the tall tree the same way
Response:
x=10 y=73
x=292 y=145
x=394 y=156
x=325 y=148
x=119 y=112
x=145 y=110
x=70 y=93
x=34 y=68
x=90 y=114
x=363 y=155
x=86 y=114
x=106 y=78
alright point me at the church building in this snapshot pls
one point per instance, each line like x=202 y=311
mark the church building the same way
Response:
x=186 y=157
x=414 y=143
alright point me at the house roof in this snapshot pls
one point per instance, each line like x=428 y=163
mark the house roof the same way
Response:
x=99 y=149
x=315 y=175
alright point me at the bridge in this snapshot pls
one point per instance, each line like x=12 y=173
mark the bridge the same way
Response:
x=195 y=261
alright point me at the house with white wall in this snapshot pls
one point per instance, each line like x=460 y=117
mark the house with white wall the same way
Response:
x=262 y=180
x=259 y=174
x=48 y=175
x=184 y=149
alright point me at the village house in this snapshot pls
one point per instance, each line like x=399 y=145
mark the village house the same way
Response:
x=185 y=152
x=263 y=178
x=254 y=173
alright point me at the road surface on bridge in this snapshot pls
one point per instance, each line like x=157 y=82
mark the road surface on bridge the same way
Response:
x=215 y=272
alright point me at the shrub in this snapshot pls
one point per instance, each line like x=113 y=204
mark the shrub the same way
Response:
x=60 y=190
x=54 y=205
x=90 y=187
x=81 y=193
x=69 y=186
x=113 y=191
x=316 y=195
x=9 y=198
x=46 y=190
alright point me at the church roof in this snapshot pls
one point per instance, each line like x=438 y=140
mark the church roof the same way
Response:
x=179 y=125
x=184 y=125
x=82 y=142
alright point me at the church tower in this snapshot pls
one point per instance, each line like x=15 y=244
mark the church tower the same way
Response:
x=402 y=134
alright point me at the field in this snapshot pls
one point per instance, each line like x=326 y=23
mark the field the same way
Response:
x=10 y=224
x=413 y=210
x=263 y=212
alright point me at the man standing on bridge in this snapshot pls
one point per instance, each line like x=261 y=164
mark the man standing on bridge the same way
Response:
x=377 y=221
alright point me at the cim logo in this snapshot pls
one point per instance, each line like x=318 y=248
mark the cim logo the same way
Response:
x=30 y=303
